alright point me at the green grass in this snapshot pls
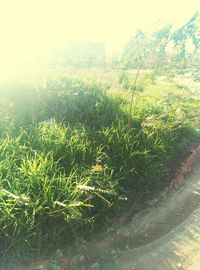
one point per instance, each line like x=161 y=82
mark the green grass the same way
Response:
x=68 y=161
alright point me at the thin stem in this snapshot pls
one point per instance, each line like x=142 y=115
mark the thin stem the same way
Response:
x=132 y=94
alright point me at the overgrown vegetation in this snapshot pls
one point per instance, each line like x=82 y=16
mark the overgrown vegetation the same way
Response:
x=68 y=159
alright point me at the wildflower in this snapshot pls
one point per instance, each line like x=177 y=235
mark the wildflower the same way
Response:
x=97 y=168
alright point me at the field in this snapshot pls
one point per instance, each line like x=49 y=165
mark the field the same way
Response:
x=72 y=156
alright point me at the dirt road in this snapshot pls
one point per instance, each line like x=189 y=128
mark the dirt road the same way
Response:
x=166 y=237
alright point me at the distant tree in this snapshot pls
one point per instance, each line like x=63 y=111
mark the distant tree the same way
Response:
x=136 y=50
x=165 y=48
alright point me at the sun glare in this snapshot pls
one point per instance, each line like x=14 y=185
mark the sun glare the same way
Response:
x=31 y=30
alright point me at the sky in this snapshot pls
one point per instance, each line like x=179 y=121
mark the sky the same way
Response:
x=32 y=27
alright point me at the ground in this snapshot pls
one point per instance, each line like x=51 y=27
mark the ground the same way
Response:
x=167 y=236
x=164 y=236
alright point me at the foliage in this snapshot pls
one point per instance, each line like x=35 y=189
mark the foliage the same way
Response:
x=65 y=99
x=127 y=80
x=68 y=159
x=165 y=47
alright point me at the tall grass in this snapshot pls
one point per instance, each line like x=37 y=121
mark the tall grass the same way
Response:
x=68 y=159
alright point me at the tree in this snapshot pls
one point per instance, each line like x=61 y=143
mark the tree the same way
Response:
x=165 y=48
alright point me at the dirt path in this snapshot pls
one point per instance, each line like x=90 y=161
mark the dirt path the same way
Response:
x=164 y=236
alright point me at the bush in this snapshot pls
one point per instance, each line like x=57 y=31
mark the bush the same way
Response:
x=64 y=99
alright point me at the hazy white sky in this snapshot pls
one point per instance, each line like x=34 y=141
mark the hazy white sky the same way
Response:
x=28 y=27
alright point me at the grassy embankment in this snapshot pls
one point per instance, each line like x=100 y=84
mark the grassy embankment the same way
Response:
x=69 y=161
